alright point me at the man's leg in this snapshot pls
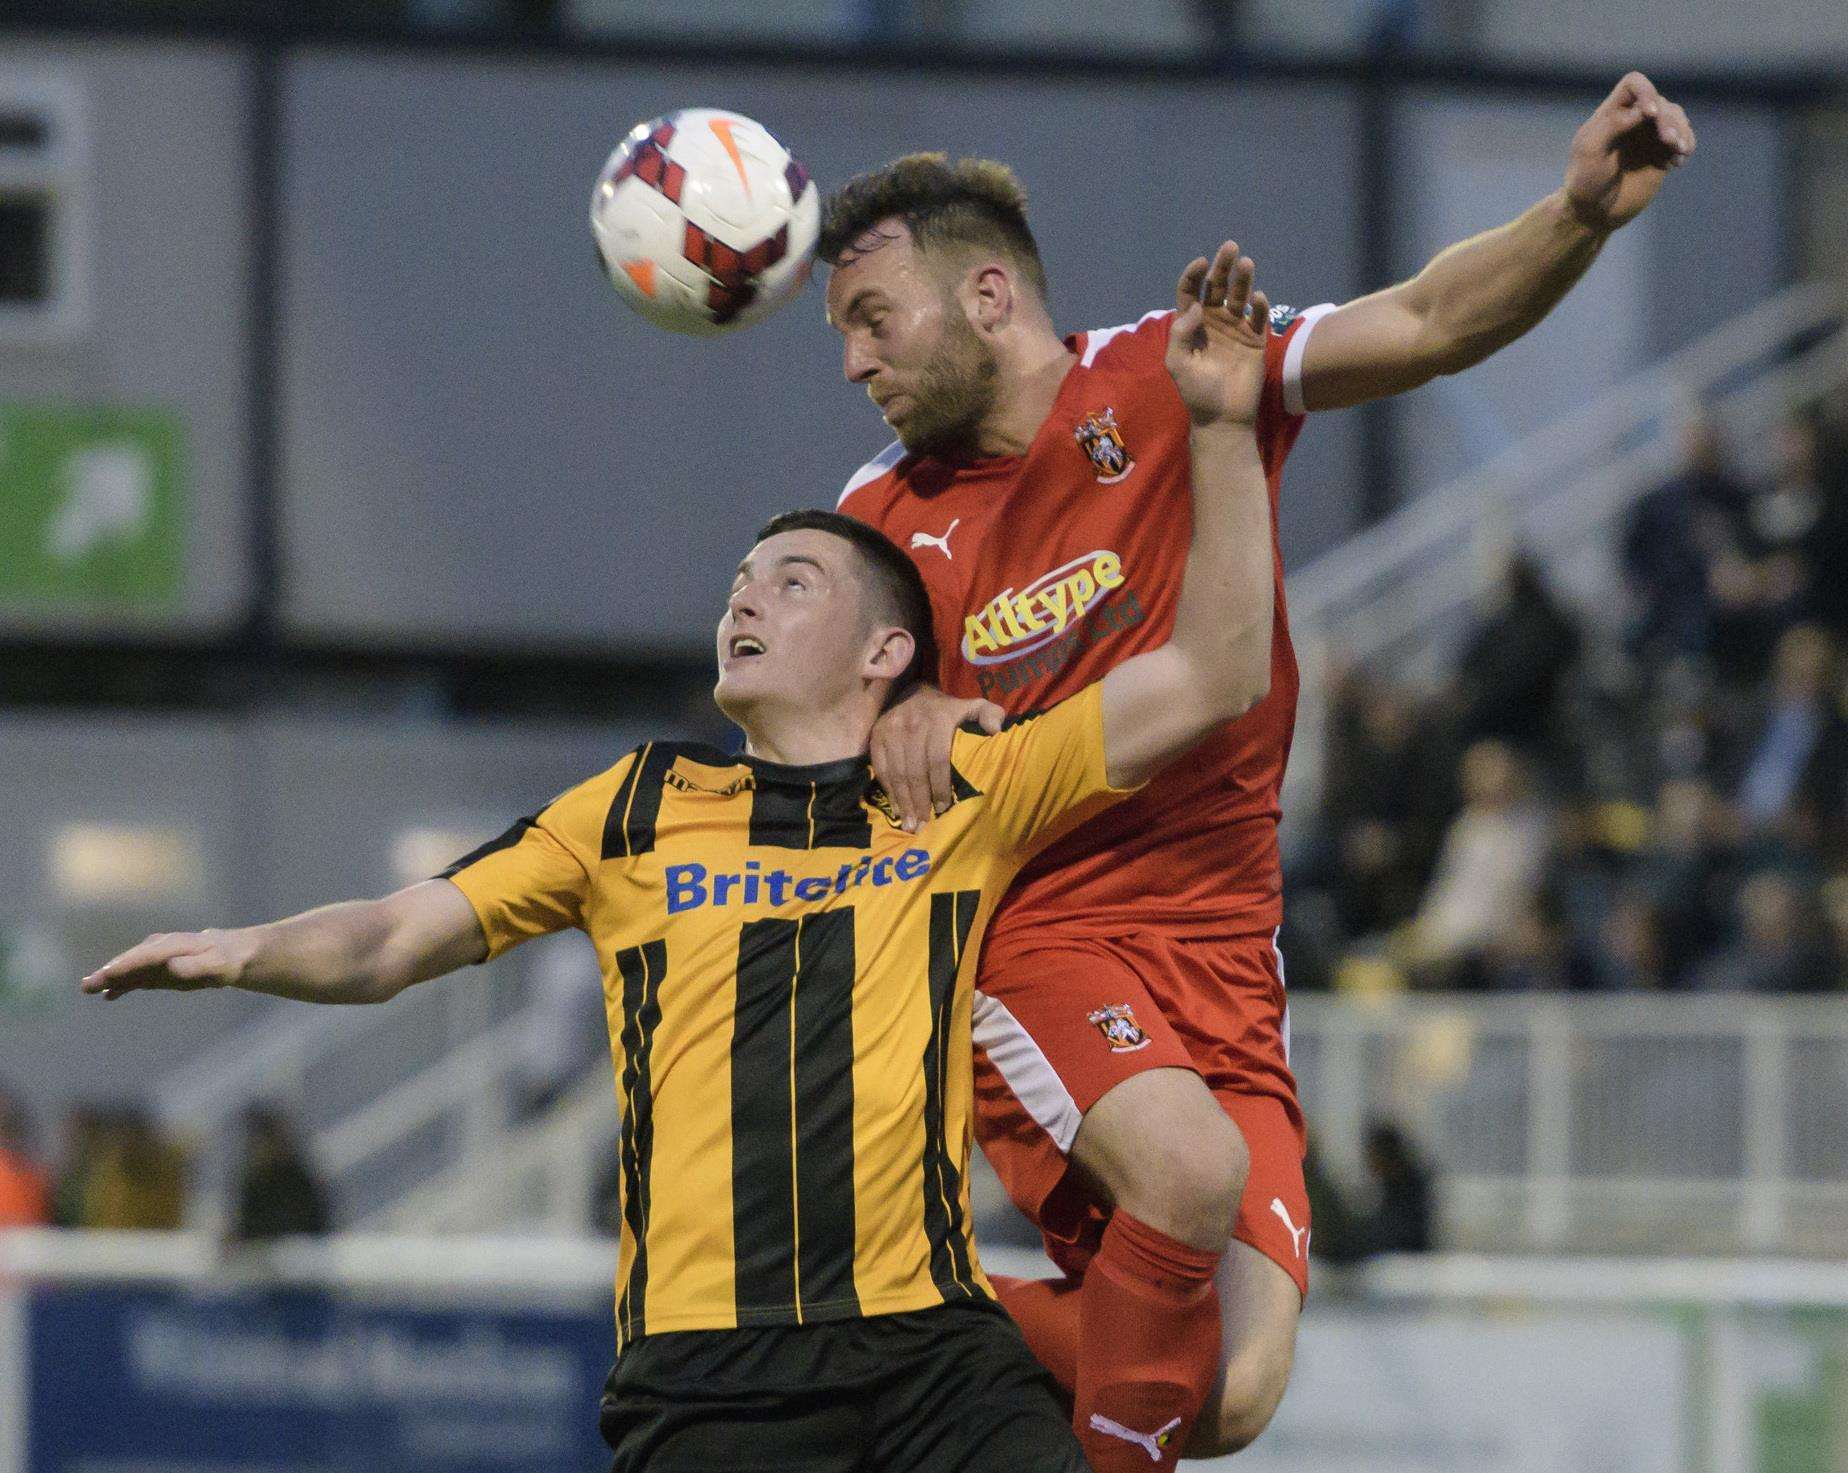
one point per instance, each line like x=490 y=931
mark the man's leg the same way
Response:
x=1263 y=1279
x=1086 y=1095
x=1260 y=1305
x=1228 y=997
x=1161 y=1154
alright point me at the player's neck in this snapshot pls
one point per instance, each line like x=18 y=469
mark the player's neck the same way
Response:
x=797 y=738
x=1031 y=375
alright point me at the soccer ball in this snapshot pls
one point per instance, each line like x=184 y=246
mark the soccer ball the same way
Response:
x=704 y=222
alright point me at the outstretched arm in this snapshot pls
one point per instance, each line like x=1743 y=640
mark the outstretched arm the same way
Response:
x=1483 y=293
x=1216 y=664
x=358 y=951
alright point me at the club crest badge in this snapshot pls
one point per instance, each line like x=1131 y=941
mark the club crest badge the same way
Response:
x=1101 y=440
x=1120 y=1029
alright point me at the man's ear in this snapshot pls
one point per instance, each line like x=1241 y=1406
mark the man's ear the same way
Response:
x=891 y=655
x=988 y=296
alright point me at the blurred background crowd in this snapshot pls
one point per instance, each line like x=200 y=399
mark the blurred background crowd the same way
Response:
x=1652 y=802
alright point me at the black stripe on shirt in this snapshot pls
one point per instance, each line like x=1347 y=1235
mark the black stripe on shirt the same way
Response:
x=629 y=827
x=945 y=1227
x=641 y=969
x=792 y=1119
x=506 y=840
x=796 y=815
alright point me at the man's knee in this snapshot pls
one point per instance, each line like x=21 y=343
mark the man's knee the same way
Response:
x=1160 y=1147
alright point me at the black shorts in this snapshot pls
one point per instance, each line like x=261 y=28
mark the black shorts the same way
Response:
x=952 y=1389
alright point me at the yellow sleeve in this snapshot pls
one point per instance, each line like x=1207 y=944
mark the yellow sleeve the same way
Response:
x=535 y=878
x=1043 y=775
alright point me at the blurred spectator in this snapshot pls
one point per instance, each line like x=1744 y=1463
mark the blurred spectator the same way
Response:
x=1670 y=541
x=278 y=1193
x=83 y=1145
x=1633 y=953
x=1337 y=1234
x=1784 y=515
x=1493 y=856
x=1401 y=1218
x=1826 y=548
x=1386 y=795
x=1688 y=871
x=1833 y=899
x=1514 y=665
x=1534 y=952
x=566 y=1028
x=133 y=1178
x=25 y=1185
x=1796 y=761
x=1780 y=946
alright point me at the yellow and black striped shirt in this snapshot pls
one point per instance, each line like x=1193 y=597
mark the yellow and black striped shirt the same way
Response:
x=788 y=976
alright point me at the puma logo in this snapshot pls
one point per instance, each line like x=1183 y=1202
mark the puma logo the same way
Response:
x=1152 y=1442
x=942 y=544
x=1298 y=1235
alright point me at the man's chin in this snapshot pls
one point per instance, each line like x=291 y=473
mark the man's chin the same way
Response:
x=734 y=702
x=949 y=441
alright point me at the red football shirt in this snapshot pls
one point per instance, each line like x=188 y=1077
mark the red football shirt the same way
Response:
x=1047 y=569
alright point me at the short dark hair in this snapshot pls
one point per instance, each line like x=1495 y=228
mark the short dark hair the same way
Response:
x=894 y=580
x=973 y=202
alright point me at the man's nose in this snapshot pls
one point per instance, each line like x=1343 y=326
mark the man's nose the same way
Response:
x=858 y=364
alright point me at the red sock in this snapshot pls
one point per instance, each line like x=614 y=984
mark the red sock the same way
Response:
x=1047 y=1312
x=1148 y=1347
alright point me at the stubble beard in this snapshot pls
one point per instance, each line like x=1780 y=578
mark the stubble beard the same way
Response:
x=955 y=393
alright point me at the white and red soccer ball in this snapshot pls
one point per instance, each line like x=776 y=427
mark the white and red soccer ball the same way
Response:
x=704 y=221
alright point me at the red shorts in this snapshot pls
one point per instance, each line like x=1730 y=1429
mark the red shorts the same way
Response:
x=1060 y=1020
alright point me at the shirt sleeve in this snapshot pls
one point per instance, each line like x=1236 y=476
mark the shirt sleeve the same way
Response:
x=1043 y=774
x=535 y=878
x=1283 y=362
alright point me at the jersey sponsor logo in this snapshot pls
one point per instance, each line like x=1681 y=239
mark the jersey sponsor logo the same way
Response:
x=1015 y=624
x=1120 y=1029
x=692 y=886
x=1100 y=439
x=1282 y=317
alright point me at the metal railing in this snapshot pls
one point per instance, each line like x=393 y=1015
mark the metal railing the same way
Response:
x=1671 y=1124
x=1675 y=1124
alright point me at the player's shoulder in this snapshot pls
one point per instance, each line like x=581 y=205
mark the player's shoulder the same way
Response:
x=863 y=484
x=1127 y=344
x=1025 y=729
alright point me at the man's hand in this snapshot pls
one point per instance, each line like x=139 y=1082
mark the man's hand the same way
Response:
x=1623 y=153
x=179 y=961
x=1216 y=346
x=911 y=749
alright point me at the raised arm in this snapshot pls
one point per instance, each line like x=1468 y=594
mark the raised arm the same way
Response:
x=1216 y=664
x=1483 y=293
x=358 y=951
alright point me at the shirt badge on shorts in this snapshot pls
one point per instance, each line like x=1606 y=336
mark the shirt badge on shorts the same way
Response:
x=1102 y=441
x=1120 y=1029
